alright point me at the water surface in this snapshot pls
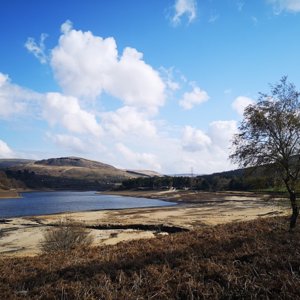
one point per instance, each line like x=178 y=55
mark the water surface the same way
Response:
x=45 y=203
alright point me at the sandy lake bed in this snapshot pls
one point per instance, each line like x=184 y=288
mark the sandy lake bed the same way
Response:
x=23 y=236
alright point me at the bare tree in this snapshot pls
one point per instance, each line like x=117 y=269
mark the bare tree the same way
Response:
x=269 y=136
x=65 y=236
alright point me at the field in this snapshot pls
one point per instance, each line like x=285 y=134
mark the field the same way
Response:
x=241 y=260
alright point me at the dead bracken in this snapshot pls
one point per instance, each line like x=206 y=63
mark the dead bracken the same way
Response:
x=254 y=259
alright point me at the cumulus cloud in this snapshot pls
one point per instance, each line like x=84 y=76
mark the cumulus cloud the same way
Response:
x=69 y=142
x=82 y=61
x=221 y=133
x=135 y=82
x=195 y=97
x=240 y=103
x=14 y=99
x=66 y=27
x=208 y=151
x=285 y=5
x=38 y=50
x=186 y=8
x=168 y=78
x=218 y=135
x=139 y=160
x=3 y=79
x=86 y=65
x=5 y=151
x=128 y=121
x=194 y=139
x=66 y=111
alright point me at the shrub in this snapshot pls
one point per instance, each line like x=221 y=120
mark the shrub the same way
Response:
x=66 y=236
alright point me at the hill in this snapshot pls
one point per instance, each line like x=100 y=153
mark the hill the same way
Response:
x=7 y=163
x=262 y=179
x=145 y=173
x=73 y=162
x=64 y=173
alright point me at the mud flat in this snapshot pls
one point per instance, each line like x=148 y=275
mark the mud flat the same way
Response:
x=23 y=236
x=9 y=194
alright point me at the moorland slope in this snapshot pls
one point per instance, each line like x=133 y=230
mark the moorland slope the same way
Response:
x=62 y=173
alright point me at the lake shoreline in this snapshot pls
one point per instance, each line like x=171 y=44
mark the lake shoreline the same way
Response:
x=64 y=202
x=23 y=235
x=9 y=194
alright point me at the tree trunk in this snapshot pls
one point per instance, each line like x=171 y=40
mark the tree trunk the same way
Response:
x=295 y=210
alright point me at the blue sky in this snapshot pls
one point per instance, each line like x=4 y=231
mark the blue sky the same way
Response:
x=139 y=84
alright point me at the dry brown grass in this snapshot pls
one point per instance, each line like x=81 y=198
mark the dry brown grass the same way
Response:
x=251 y=260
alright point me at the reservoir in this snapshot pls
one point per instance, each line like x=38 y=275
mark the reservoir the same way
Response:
x=46 y=203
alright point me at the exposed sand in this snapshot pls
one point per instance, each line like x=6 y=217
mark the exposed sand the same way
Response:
x=23 y=236
x=9 y=194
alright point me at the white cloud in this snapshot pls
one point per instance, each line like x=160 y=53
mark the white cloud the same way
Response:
x=82 y=61
x=128 y=121
x=135 y=82
x=5 y=151
x=131 y=136
x=194 y=139
x=66 y=26
x=38 y=50
x=221 y=133
x=65 y=110
x=206 y=152
x=184 y=7
x=3 y=79
x=168 y=77
x=86 y=65
x=240 y=103
x=285 y=5
x=69 y=142
x=197 y=96
x=139 y=160
x=14 y=100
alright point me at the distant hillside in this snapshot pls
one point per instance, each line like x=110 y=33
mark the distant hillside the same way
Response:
x=74 y=162
x=76 y=173
x=64 y=173
x=145 y=173
x=248 y=179
x=6 y=163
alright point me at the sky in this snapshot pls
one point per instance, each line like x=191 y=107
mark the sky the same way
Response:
x=139 y=84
